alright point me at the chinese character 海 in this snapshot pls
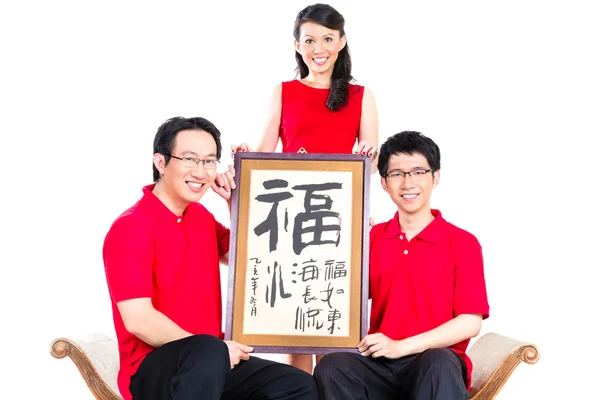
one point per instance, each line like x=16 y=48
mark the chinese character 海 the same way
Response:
x=309 y=272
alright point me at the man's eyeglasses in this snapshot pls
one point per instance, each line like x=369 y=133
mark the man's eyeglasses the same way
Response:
x=191 y=162
x=417 y=173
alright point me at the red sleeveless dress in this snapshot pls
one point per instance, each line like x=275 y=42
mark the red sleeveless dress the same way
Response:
x=308 y=126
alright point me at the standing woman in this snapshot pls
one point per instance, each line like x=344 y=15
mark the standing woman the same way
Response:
x=322 y=112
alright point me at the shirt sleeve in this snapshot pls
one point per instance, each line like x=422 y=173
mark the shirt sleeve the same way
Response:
x=222 y=238
x=128 y=260
x=470 y=294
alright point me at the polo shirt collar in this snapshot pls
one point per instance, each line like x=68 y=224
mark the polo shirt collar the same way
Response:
x=158 y=208
x=434 y=231
x=431 y=233
x=392 y=229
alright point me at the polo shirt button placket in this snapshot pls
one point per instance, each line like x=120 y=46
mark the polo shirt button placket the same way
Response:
x=405 y=252
x=178 y=220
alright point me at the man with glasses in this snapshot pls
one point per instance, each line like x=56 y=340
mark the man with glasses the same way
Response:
x=427 y=288
x=161 y=258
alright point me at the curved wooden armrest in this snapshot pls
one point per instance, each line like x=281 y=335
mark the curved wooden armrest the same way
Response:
x=96 y=358
x=495 y=357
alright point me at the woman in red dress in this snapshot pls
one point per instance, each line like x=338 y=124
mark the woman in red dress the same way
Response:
x=322 y=112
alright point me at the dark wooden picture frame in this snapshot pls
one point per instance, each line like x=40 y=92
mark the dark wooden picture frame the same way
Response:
x=279 y=166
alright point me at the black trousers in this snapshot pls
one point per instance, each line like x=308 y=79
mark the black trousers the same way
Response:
x=436 y=374
x=197 y=367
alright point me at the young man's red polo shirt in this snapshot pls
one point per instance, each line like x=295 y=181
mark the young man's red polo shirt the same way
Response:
x=420 y=284
x=174 y=260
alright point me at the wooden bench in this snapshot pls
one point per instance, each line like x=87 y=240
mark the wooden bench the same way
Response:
x=494 y=357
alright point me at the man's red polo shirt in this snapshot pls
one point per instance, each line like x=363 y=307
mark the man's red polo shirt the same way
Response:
x=417 y=286
x=174 y=260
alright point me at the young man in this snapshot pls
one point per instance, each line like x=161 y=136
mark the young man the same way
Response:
x=427 y=288
x=162 y=267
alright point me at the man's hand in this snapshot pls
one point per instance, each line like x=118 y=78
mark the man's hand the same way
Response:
x=379 y=345
x=224 y=183
x=238 y=352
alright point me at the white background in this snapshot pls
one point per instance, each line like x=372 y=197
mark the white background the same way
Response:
x=509 y=90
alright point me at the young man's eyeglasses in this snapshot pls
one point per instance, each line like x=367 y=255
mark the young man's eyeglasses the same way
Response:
x=417 y=173
x=191 y=162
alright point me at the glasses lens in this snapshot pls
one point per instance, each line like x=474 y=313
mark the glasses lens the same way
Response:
x=188 y=163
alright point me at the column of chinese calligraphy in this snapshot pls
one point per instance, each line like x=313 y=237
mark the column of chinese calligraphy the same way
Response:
x=299 y=233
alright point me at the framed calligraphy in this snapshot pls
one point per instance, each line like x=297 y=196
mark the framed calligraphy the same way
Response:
x=298 y=260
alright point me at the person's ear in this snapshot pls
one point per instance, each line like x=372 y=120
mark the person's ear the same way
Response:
x=384 y=185
x=436 y=178
x=160 y=163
